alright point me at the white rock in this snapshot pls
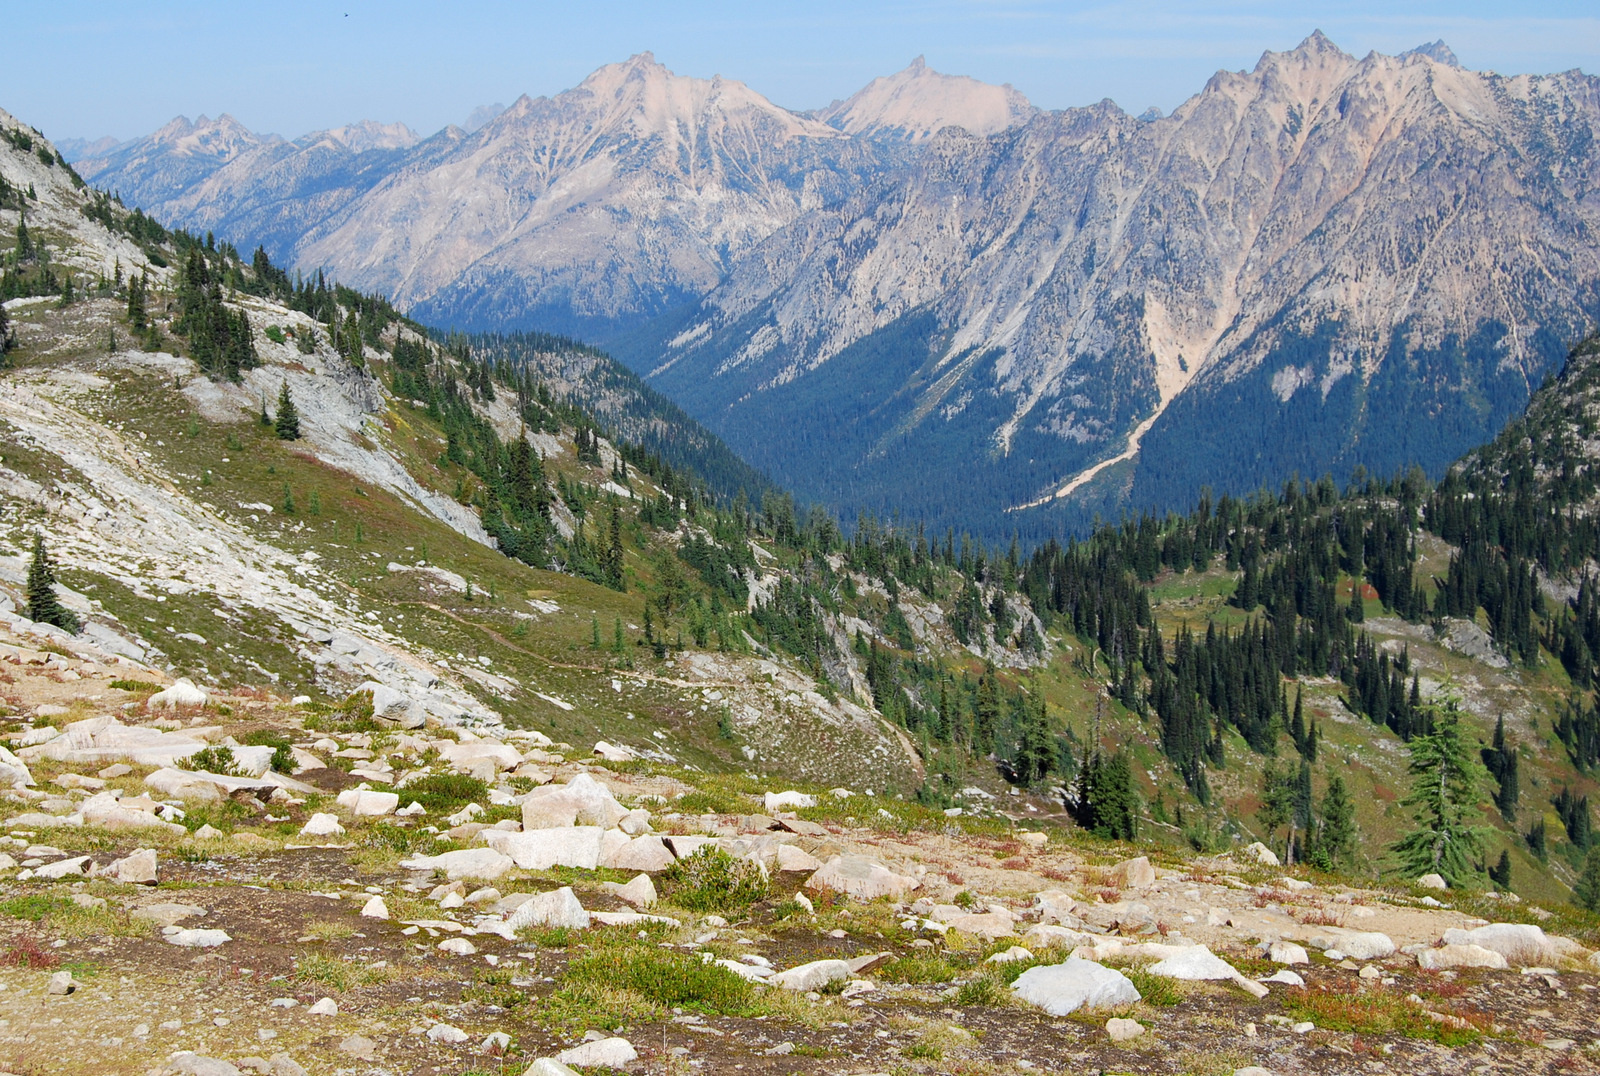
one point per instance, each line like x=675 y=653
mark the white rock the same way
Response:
x=559 y=908
x=1461 y=956
x=1065 y=988
x=1195 y=963
x=582 y=801
x=364 y=803
x=1261 y=854
x=1285 y=976
x=1287 y=952
x=182 y=693
x=614 y=1052
x=1433 y=881
x=812 y=976
x=635 y=823
x=393 y=707
x=783 y=801
x=375 y=908
x=612 y=752
x=207 y=832
x=1122 y=1030
x=640 y=892
x=1355 y=944
x=1050 y=936
x=457 y=946
x=63 y=868
x=541 y=849
x=61 y=983
x=860 y=878
x=482 y=863
x=549 y=1066
x=136 y=868
x=1011 y=955
x=460 y=756
x=322 y=825
x=1520 y=943
x=1134 y=873
x=195 y=938
x=325 y=1007
x=13 y=771
x=790 y=858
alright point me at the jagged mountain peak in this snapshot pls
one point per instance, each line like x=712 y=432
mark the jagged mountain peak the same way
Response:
x=1437 y=51
x=915 y=103
x=366 y=135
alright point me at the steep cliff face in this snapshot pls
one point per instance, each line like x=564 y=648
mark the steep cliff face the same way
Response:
x=1321 y=262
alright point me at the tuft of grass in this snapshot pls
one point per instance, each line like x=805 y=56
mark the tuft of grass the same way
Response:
x=135 y=686
x=337 y=973
x=918 y=969
x=619 y=986
x=711 y=880
x=984 y=990
x=444 y=793
x=329 y=930
x=1382 y=1012
x=1155 y=989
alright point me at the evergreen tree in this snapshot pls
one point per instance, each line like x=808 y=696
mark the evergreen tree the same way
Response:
x=1036 y=754
x=1111 y=806
x=1500 y=873
x=43 y=607
x=612 y=562
x=1586 y=894
x=1501 y=762
x=7 y=340
x=1444 y=795
x=1337 y=835
x=1538 y=843
x=24 y=251
x=287 y=423
x=1277 y=804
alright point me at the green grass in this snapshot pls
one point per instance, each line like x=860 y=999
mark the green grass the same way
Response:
x=624 y=985
x=1379 y=1012
x=711 y=880
x=918 y=969
x=445 y=793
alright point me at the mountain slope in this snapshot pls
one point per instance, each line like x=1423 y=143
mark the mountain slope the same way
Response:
x=918 y=102
x=1281 y=275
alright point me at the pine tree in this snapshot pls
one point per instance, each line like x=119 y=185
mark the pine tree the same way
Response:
x=1337 y=834
x=1036 y=754
x=1108 y=805
x=43 y=607
x=1500 y=873
x=24 y=251
x=1277 y=803
x=611 y=564
x=1444 y=795
x=7 y=341
x=1586 y=894
x=287 y=423
x=1501 y=762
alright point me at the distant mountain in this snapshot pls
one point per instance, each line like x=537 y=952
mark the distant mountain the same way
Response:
x=1320 y=263
x=480 y=116
x=917 y=103
x=76 y=149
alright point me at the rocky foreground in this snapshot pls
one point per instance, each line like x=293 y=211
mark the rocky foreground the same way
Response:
x=212 y=885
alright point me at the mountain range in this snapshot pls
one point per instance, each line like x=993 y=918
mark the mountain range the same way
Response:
x=1323 y=263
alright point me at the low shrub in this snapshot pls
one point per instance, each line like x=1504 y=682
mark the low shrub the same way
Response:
x=711 y=880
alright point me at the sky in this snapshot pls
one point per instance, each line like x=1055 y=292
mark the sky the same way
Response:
x=76 y=69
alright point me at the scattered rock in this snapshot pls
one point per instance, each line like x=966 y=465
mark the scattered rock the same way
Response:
x=457 y=946
x=812 y=976
x=1065 y=988
x=1521 y=944
x=446 y=1033
x=1261 y=854
x=482 y=863
x=62 y=983
x=549 y=1066
x=615 y=1052
x=640 y=892
x=1134 y=873
x=1461 y=956
x=359 y=1047
x=860 y=878
x=785 y=801
x=1122 y=1030
x=137 y=868
x=1286 y=952
x=556 y=846
x=1354 y=944
x=364 y=803
x=558 y=908
x=375 y=909
x=1433 y=881
x=63 y=868
x=322 y=825
x=325 y=1007
x=195 y=938
x=182 y=693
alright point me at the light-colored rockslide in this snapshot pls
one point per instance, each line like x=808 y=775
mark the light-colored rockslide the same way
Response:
x=1075 y=984
x=1355 y=944
x=860 y=878
x=812 y=976
x=1460 y=956
x=558 y=908
x=582 y=801
x=1522 y=944
x=365 y=803
x=105 y=739
x=483 y=863
x=541 y=849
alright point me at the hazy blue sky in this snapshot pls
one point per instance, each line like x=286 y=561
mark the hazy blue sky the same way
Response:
x=91 y=69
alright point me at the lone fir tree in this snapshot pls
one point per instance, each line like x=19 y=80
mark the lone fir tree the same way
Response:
x=1444 y=794
x=43 y=605
x=287 y=424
